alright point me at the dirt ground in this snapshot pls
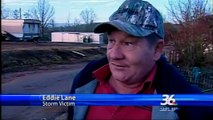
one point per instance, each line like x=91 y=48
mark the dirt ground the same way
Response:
x=49 y=81
x=22 y=56
x=17 y=46
x=38 y=68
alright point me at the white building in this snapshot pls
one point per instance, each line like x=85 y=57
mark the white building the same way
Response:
x=80 y=37
x=22 y=29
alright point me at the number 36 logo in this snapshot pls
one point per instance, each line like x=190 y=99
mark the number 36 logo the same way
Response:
x=168 y=100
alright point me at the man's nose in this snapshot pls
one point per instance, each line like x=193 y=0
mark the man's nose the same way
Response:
x=116 y=52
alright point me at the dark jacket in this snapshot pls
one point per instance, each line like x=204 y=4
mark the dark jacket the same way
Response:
x=167 y=80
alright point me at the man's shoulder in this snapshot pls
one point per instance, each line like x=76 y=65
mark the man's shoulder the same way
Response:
x=167 y=70
x=170 y=79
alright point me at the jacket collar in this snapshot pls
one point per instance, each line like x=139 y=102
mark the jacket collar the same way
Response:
x=81 y=111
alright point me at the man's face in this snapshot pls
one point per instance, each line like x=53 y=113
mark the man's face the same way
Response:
x=130 y=58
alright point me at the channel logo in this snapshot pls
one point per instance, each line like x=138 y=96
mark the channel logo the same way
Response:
x=169 y=103
x=168 y=100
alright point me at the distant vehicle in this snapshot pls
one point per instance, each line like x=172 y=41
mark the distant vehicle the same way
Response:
x=20 y=29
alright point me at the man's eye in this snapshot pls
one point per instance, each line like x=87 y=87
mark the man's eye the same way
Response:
x=129 y=43
x=111 y=41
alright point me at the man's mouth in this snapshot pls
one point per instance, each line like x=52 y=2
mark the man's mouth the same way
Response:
x=119 y=65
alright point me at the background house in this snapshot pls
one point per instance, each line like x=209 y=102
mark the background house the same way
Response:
x=80 y=37
x=20 y=29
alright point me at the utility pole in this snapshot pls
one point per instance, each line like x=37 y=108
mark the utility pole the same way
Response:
x=20 y=13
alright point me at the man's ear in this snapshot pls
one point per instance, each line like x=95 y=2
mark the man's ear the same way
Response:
x=158 y=49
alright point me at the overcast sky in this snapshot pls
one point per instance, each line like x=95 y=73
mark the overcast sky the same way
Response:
x=102 y=8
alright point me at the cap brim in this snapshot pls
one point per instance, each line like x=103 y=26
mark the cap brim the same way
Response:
x=122 y=26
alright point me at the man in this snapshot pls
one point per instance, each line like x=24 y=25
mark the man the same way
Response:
x=134 y=65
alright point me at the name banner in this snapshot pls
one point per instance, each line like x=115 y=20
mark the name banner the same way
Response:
x=107 y=100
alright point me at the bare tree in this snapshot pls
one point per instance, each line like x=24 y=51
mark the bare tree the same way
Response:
x=185 y=11
x=16 y=14
x=88 y=16
x=44 y=12
x=28 y=14
x=5 y=12
x=76 y=22
x=68 y=20
x=192 y=32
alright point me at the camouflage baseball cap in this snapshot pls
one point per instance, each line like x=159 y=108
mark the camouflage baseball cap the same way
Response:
x=135 y=17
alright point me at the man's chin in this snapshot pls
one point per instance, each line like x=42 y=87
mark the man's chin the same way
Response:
x=119 y=77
